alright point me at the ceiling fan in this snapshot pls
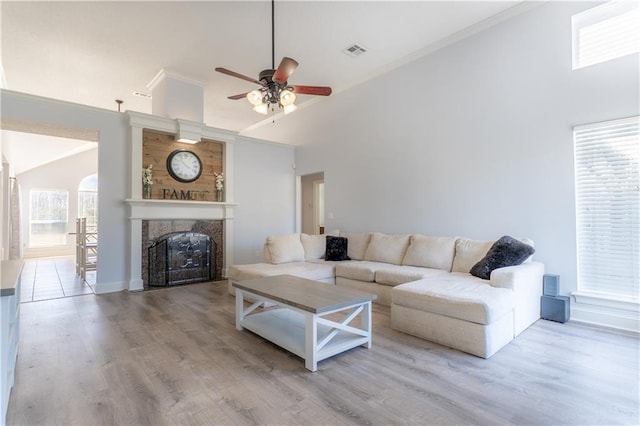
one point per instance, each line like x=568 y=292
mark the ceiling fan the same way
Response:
x=275 y=90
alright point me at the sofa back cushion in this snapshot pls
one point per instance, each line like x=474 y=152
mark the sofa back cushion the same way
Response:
x=468 y=253
x=387 y=248
x=285 y=249
x=314 y=246
x=431 y=252
x=357 y=244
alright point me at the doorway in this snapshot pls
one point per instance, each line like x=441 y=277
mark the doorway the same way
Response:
x=312 y=203
x=48 y=168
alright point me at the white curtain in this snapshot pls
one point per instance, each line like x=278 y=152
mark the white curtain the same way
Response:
x=15 y=234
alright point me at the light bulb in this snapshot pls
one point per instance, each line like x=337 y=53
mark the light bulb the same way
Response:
x=255 y=97
x=287 y=97
x=290 y=108
x=261 y=108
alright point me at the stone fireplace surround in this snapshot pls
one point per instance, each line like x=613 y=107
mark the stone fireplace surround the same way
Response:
x=143 y=209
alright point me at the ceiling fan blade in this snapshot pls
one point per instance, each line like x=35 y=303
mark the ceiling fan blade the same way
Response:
x=236 y=97
x=237 y=75
x=285 y=69
x=312 y=90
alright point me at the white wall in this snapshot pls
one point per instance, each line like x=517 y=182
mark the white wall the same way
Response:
x=264 y=189
x=472 y=140
x=64 y=174
x=113 y=157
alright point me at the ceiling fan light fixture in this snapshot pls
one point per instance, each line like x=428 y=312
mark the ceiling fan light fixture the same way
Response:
x=255 y=97
x=262 y=108
x=275 y=91
x=289 y=108
x=287 y=97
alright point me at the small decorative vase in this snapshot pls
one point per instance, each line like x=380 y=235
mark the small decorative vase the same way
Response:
x=146 y=192
x=220 y=195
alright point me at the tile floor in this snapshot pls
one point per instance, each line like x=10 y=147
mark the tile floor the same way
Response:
x=52 y=278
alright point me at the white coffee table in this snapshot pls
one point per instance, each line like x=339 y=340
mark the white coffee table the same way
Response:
x=293 y=315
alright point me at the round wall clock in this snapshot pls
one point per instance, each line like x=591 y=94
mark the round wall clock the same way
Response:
x=184 y=165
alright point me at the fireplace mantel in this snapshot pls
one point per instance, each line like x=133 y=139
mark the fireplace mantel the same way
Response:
x=142 y=209
x=178 y=209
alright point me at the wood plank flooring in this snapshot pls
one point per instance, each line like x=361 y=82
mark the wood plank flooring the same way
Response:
x=173 y=356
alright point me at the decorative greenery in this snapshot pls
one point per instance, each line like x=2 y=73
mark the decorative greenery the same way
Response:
x=147 y=175
x=219 y=181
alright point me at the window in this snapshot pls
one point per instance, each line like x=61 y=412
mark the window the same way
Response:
x=607 y=158
x=48 y=217
x=605 y=32
x=88 y=199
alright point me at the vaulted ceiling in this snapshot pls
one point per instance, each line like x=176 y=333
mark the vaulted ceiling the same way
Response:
x=94 y=52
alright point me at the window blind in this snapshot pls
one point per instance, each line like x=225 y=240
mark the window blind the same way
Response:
x=607 y=169
x=605 y=32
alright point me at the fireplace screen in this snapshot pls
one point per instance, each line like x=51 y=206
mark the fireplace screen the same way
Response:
x=181 y=258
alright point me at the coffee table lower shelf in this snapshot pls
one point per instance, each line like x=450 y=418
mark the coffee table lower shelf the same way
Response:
x=310 y=335
x=286 y=328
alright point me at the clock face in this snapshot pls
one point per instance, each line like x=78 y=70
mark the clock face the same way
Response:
x=184 y=166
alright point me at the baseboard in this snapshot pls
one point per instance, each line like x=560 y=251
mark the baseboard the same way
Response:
x=112 y=287
x=627 y=321
x=135 y=285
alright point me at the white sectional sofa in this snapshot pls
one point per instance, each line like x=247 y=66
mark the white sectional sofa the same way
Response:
x=424 y=279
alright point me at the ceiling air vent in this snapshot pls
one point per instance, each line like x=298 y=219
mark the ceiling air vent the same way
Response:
x=354 y=50
x=142 y=95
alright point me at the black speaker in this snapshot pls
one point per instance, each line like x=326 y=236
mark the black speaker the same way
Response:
x=555 y=308
x=551 y=285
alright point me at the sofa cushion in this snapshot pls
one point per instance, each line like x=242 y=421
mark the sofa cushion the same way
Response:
x=387 y=248
x=468 y=253
x=361 y=270
x=318 y=270
x=455 y=295
x=358 y=244
x=507 y=251
x=404 y=274
x=285 y=248
x=336 y=248
x=430 y=252
x=314 y=246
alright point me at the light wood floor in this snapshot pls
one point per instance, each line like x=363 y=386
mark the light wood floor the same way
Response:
x=173 y=356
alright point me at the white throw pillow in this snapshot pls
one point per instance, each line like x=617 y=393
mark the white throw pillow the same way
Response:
x=387 y=248
x=285 y=248
x=468 y=253
x=431 y=252
x=356 y=244
x=314 y=246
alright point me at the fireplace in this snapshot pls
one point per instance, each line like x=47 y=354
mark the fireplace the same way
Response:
x=179 y=252
x=181 y=258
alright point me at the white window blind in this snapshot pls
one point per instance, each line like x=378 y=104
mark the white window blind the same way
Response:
x=605 y=32
x=607 y=168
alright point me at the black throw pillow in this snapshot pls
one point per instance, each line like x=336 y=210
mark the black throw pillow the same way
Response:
x=507 y=251
x=336 y=248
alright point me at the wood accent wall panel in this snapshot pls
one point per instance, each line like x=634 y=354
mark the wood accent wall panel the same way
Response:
x=157 y=146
